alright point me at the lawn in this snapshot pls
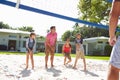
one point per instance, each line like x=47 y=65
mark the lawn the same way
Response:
x=57 y=54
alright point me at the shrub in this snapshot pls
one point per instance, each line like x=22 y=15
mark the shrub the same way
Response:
x=107 y=50
x=96 y=52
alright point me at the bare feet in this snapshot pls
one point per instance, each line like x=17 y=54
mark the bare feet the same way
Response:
x=46 y=66
x=74 y=67
x=85 y=69
x=68 y=62
x=26 y=67
x=33 y=68
x=64 y=63
x=52 y=65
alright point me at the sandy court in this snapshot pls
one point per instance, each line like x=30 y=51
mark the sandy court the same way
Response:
x=12 y=67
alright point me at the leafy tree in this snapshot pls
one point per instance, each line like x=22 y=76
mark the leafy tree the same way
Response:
x=42 y=38
x=94 y=10
x=86 y=32
x=48 y=31
x=66 y=35
x=26 y=28
x=4 y=26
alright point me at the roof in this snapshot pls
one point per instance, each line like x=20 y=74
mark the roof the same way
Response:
x=13 y=31
x=96 y=38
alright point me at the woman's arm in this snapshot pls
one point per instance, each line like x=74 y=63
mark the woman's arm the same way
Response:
x=47 y=42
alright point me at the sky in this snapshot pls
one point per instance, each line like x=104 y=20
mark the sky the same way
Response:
x=41 y=23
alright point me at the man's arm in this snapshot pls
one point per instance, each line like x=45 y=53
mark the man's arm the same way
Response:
x=113 y=21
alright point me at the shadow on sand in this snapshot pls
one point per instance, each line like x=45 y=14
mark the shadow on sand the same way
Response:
x=54 y=71
x=90 y=73
x=69 y=66
x=25 y=73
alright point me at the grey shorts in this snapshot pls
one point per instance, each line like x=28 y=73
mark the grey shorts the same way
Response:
x=115 y=54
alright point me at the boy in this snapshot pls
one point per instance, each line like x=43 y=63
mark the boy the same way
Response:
x=114 y=66
x=50 y=45
x=66 y=50
x=79 y=51
x=30 y=44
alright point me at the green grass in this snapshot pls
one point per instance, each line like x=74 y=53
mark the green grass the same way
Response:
x=60 y=55
x=98 y=57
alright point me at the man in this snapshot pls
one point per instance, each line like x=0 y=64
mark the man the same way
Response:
x=114 y=66
x=50 y=45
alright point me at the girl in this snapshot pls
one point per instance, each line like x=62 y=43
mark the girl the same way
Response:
x=30 y=44
x=66 y=50
x=79 y=51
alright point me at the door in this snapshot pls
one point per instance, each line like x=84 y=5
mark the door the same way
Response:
x=12 y=45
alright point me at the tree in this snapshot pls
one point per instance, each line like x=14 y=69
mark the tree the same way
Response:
x=66 y=35
x=26 y=28
x=4 y=26
x=48 y=31
x=94 y=10
x=42 y=38
x=86 y=32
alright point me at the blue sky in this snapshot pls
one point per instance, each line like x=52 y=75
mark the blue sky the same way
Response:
x=17 y=17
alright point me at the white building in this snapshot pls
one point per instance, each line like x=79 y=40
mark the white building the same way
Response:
x=95 y=43
x=15 y=40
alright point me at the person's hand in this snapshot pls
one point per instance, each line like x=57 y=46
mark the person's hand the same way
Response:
x=28 y=49
x=112 y=40
x=52 y=49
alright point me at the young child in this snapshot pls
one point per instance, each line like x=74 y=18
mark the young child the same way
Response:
x=66 y=50
x=79 y=51
x=30 y=44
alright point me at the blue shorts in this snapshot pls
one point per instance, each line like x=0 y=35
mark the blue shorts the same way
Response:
x=115 y=54
x=28 y=50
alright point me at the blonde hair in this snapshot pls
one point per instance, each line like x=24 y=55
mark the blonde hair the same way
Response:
x=78 y=34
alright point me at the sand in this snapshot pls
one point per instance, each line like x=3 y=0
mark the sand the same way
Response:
x=12 y=67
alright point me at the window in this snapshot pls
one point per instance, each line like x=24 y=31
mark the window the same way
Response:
x=12 y=36
x=100 y=42
x=107 y=42
x=24 y=44
x=26 y=37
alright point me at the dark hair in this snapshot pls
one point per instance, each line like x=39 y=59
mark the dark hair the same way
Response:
x=70 y=45
x=32 y=34
x=52 y=27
